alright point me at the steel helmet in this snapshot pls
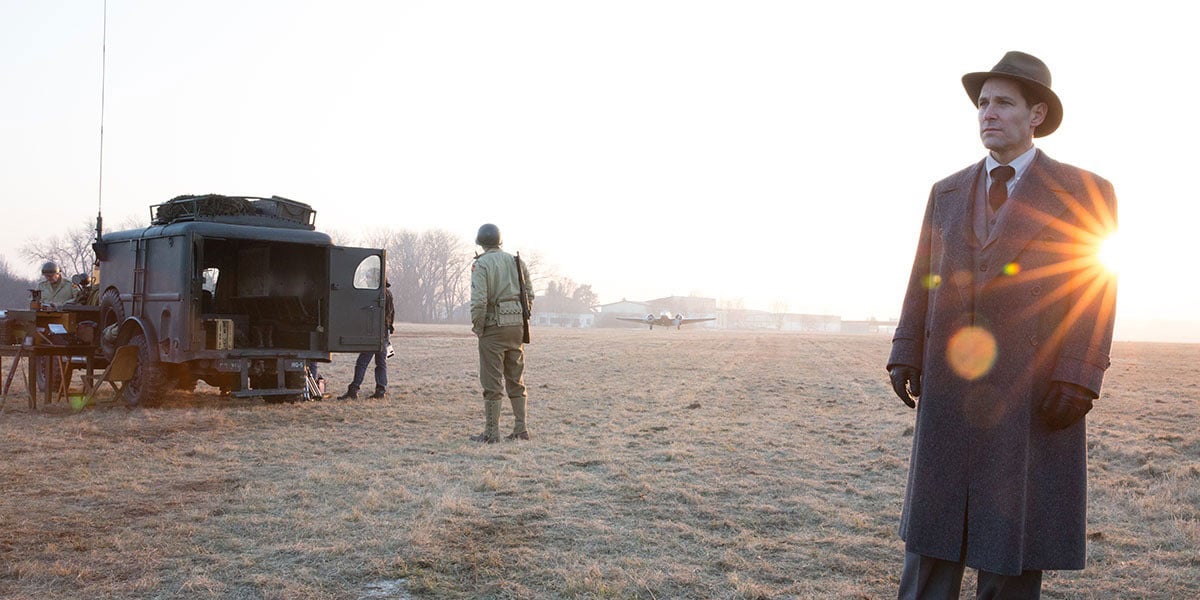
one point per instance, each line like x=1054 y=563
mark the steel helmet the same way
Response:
x=49 y=267
x=488 y=236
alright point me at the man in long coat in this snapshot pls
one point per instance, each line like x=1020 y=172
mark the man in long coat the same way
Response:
x=1004 y=337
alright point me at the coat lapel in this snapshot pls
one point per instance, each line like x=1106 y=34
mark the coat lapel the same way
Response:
x=955 y=227
x=1036 y=203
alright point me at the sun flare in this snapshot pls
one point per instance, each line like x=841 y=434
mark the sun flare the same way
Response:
x=1110 y=253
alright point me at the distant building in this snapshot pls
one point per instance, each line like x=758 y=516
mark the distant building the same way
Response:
x=869 y=326
x=688 y=306
x=817 y=323
x=732 y=318
x=561 y=311
x=556 y=319
x=625 y=308
x=740 y=318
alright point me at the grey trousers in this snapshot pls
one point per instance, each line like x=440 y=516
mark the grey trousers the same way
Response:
x=926 y=578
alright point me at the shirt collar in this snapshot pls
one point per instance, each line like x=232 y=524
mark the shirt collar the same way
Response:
x=1019 y=164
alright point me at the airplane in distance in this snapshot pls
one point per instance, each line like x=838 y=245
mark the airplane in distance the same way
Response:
x=666 y=320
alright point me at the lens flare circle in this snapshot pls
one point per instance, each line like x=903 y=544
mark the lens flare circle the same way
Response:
x=971 y=352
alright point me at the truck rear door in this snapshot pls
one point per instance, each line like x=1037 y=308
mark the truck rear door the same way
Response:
x=356 y=299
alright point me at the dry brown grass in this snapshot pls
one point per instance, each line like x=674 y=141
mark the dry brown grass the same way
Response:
x=665 y=464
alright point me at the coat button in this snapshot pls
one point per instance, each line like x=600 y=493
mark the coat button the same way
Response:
x=1033 y=341
x=1036 y=291
x=983 y=267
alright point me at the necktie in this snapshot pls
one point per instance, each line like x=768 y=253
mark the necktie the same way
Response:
x=998 y=193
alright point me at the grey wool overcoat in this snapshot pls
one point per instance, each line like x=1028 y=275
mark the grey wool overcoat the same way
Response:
x=990 y=324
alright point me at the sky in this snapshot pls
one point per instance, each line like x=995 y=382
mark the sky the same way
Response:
x=773 y=154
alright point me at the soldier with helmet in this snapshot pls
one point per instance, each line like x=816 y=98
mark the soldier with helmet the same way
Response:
x=85 y=293
x=498 y=311
x=55 y=290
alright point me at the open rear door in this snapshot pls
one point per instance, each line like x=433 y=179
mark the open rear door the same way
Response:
x=356 y=299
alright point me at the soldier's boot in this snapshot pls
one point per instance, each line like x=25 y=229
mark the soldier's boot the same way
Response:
x=351 y=394
x=519 y=431
x=379 y=393
x=491 y=430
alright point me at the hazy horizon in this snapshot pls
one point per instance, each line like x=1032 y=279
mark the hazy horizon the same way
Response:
x=776 y=153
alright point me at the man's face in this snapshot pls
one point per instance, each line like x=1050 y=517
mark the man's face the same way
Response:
x=1006 y=120
x=52 y=277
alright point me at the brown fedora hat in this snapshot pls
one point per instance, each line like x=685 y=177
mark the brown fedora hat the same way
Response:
x=1029 y=70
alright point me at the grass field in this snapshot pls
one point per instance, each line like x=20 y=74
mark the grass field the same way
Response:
x=664 y=464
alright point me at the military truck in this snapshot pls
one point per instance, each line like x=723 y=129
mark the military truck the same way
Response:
x=241 y=292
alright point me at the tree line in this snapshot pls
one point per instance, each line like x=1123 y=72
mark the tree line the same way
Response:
x=429 y=272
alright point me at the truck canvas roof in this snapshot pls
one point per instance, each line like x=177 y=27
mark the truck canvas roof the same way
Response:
x=275 y=211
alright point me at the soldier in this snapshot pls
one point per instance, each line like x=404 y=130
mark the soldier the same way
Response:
x=85 y=293
x=497 y=316
x=55 y=290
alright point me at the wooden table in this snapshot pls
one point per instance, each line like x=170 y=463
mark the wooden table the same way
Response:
x=14 y=351
x=33 y=352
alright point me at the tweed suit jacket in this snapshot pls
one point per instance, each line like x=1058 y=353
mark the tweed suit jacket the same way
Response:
x=990 y=327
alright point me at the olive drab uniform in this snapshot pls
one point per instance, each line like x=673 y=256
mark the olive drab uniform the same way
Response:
x=57 y=293
x=496 y=318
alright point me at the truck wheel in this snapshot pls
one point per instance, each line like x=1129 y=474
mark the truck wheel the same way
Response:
x=148 y=383
x=292 y=381
x=111 y=312
x=111 y=309
x=296 y=380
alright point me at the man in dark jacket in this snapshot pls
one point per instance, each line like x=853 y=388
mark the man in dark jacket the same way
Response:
x=1004 y=336
x=364 y=358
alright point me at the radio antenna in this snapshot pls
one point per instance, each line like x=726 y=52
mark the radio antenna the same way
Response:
x=103 y=76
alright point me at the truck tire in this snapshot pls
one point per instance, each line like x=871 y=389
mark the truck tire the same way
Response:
x=112 y=312
x=296 y=380
x=149 y=383
x=111 y=309
x=291 y=380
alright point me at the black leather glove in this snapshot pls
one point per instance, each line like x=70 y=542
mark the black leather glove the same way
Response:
x=906 y=382
x=1065 y=403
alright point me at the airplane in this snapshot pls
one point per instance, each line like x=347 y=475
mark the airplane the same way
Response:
x=666 y=320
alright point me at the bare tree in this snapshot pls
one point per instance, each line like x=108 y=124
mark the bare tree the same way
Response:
x=404 y=269
x=72 y=250
x=14 y=290
x=444 y=268
x=561 y=286
x=564 y=295
x=540 y=272
x=584 y=296
x=732 y=304
x=427 y=270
